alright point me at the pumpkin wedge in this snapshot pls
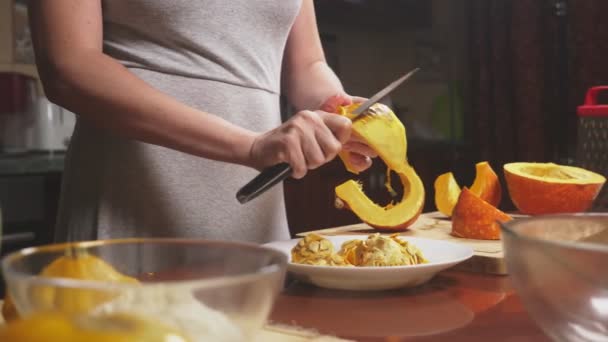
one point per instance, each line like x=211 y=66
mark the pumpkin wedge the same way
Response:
x=486 y=185
x=385 y=134
x=76 y=264
x=475 y=218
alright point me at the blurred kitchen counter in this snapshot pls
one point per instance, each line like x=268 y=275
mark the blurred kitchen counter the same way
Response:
x=30 y=184
x=31 y=163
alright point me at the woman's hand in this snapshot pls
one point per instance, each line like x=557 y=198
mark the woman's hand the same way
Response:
x=306 y=141
x=310 y=139
x=359 y=154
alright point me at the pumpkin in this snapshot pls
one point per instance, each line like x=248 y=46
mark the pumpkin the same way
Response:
x=381 y=130
x=486 y=185
x=548 y=188
x=42 y=327
x=76 y=264
x=474 y=218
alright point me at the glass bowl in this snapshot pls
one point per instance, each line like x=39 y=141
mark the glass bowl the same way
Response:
x=207 y=290
x=559 y=266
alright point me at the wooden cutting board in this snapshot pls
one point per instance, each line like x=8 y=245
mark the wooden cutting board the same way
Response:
x=488 y=255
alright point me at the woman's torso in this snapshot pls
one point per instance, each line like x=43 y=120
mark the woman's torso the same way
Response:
x=220 y=57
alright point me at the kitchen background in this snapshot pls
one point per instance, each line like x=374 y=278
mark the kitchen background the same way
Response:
x=500 y=81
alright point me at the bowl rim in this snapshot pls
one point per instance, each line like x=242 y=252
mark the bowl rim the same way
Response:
x=10 y=274
x=507 y=227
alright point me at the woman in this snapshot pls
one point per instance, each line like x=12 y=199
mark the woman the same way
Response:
x=178 y=105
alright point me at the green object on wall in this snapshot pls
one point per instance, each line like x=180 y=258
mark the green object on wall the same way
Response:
x=447 y=113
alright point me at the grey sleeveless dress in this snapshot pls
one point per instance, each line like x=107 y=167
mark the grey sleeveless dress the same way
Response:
x=223 y=57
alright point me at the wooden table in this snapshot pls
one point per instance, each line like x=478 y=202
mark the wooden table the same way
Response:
x=454 y=306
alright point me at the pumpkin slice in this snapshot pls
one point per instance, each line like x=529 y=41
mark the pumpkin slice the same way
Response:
x=548 y=188
x=447 y=191
x=76 y=264
x=54 y=326
x=385 y=134
x=80 y=265
x=486 y=185
x=474 y=218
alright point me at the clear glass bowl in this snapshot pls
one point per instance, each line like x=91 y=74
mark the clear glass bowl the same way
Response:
x=208 y=290
x=559 y=267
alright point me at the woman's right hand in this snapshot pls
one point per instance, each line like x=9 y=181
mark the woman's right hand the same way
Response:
x=306 y=141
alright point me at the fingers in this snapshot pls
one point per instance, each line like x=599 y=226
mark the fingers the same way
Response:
x=292 y=152
x=359 y=162
x=330 y=145
x=331 y=104
x=312 y=139
x=358 y=99
x=360 y=148
x=339 y=125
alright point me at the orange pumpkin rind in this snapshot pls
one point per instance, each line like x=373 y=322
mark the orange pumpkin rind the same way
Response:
x=548 y=188
x=474 y=218
x=486 y=185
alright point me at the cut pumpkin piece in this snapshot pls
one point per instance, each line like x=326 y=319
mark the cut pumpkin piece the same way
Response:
x=76 y=264
x=548 y=188
x=474 y=218
x=115 y=327
x=385 y=134
x=447 y=191
x=486 y=185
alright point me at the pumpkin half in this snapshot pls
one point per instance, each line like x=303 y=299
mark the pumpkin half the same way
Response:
x=548 y=188
x=385 y=134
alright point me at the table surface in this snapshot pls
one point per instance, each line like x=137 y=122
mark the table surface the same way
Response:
x=453 y=306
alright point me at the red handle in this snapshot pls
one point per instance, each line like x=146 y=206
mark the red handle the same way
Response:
x=591 y=98
x=591 y=108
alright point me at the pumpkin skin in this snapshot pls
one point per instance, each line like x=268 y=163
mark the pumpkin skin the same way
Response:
x=385 y=134
x=475 y=218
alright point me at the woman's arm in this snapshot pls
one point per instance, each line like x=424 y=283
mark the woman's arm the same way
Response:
x=77 y=75
x=308 y=81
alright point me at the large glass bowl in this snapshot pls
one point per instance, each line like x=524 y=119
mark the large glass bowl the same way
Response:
x=559 y=267
x=208 y=290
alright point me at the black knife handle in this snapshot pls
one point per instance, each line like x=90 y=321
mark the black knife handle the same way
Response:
x=264 y=181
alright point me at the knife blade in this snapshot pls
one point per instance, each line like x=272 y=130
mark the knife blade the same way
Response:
x=277 y=173
x=382 y=93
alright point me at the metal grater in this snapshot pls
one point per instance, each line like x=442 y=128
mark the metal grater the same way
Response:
x=592 y=147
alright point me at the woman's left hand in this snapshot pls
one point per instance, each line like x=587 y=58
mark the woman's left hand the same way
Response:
x=359 y=154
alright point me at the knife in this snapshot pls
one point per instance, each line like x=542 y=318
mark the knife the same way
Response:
x=277 y=173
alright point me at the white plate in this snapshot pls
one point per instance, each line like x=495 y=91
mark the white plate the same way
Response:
x=440 y=254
